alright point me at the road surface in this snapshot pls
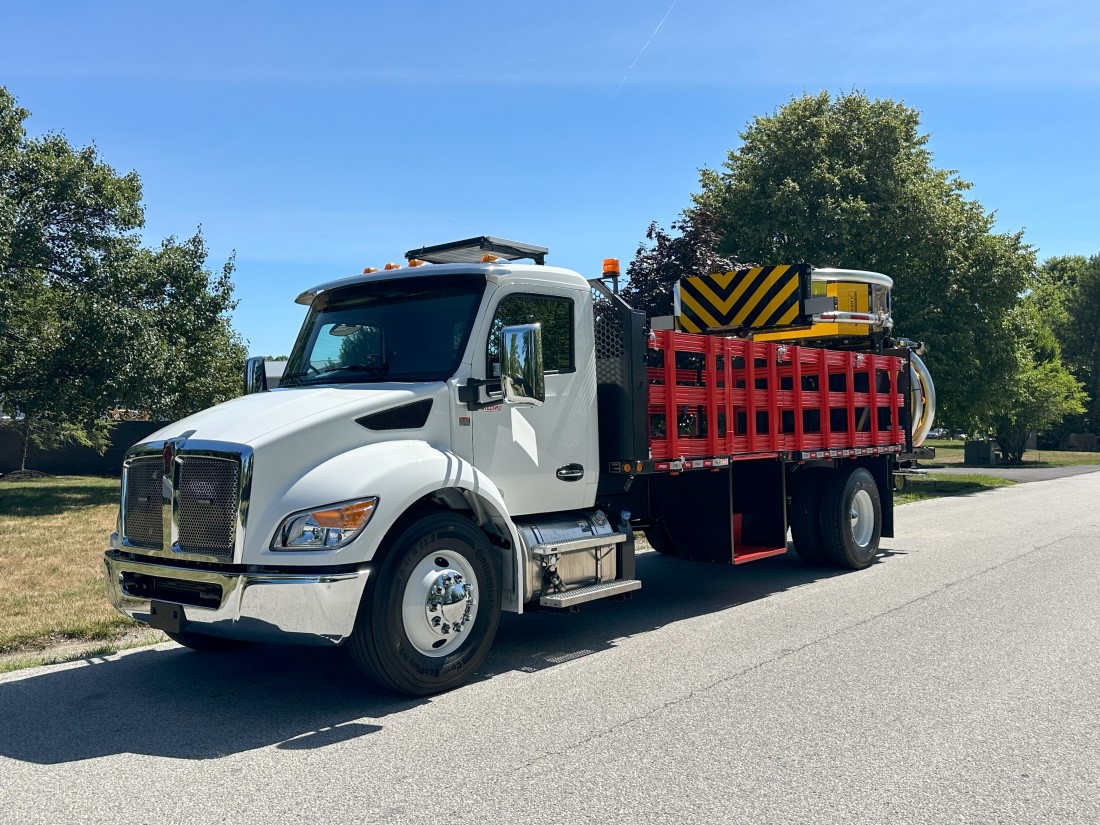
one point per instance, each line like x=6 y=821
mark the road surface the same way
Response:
x=1019 y=474
x=957 y=680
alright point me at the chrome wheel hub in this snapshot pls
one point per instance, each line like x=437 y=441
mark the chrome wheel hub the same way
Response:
x=861 y=514
x=439 y=605
x=450 y=600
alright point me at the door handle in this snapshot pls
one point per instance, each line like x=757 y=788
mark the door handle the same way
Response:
x=571 y=472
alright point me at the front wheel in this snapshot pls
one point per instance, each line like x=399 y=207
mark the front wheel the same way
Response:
x=851 y=518
x=429 y=617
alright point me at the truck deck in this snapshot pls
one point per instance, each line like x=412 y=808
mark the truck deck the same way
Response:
x=743 y=399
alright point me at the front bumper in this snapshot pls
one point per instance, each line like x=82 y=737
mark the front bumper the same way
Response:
x=299 y=608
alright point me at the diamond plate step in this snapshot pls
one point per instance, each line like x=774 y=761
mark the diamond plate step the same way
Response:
x=590 y=594
x=573 y=545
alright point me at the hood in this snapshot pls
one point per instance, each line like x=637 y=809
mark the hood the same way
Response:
x=254 y=418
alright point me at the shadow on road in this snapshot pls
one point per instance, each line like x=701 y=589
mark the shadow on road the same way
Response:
x=187 y=705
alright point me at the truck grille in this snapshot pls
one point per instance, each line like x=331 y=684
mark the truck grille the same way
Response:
x=206 y=499
x=144 y=511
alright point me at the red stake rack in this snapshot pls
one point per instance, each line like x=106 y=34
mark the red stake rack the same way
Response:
x=712 y=396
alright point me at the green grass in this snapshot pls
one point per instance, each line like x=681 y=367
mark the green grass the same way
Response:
x=919 y=488
x=53 y=532
x=949 y=453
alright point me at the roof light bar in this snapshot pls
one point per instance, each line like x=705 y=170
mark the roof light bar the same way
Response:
x=471 y=251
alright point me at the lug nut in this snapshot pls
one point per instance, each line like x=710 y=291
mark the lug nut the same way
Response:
x=436 y=621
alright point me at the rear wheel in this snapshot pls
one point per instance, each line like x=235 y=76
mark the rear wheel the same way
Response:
x=851 y=518
x=659 y=539
x=806 y=517
x=429 y=617
x=204 y=643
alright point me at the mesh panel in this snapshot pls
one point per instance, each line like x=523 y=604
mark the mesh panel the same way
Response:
x=406 y=417
x=144 y=512
x=609 y=330
x=207 y=499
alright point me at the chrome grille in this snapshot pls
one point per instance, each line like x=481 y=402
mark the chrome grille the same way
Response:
x=144 y=513
x=207 y=501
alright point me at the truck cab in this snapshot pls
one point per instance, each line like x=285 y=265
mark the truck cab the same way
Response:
x=430 y=457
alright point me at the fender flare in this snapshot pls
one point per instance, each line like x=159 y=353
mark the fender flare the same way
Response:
x=402 y=473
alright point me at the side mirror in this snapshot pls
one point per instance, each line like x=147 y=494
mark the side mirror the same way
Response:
x=522 y=379
x=255 y=375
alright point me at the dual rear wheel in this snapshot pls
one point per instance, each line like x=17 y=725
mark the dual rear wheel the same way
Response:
x=836 y=517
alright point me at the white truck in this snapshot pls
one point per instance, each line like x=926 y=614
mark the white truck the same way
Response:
x=467 y=434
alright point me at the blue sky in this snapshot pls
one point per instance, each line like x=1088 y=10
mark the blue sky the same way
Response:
x=316 y=139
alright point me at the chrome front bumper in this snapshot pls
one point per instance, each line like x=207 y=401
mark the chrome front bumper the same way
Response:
x=308 y=608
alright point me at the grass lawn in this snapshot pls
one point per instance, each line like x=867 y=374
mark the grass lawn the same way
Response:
x=53 y=532
x=919 y=488
x=950 y=454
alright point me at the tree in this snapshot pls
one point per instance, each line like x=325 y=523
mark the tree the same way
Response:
x=849 y=182
x=658 y=266
x=1068 y=296
x=1041 y=391
x=193 y=358
x=89 y=320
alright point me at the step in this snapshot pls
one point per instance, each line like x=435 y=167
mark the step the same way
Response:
x=590 y=594
x=574 y=545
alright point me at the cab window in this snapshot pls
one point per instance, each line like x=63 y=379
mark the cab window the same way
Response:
x=556 y=317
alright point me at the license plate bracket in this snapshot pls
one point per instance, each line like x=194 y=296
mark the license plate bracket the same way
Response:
x=165 y=616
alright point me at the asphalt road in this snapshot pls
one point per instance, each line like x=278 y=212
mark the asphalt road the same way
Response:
x=1020 y=474
x=957 y=680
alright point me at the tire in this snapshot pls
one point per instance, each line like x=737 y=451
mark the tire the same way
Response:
x=206 y=644
x=660 y=540
x=851 y=518
x=806 y=497
x=405 y=636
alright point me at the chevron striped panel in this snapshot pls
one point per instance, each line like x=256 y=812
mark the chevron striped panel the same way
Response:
x=765 y=297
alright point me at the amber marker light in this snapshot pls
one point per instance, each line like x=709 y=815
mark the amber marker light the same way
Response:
x=367 y=270
x=392 y=266
x=349 y=517
x=489 y=259
x=416 y=262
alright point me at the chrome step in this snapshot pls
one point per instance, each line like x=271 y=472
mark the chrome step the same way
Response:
x=573 y=545
x=590 y=594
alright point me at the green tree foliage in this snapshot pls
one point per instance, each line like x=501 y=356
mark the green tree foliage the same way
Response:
x=193 y=358
x=665 y=258
x=1041 y=391
x=849 y=182
x=1068 y=296
x=89 y=320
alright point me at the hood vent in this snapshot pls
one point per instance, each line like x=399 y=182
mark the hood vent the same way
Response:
x=406 y=417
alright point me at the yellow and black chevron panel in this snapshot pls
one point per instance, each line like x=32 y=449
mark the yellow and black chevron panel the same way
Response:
x=765 y=297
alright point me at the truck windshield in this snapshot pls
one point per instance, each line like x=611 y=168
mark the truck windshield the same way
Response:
x=406 y=329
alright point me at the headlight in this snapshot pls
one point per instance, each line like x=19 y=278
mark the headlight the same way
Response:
x=326 y=528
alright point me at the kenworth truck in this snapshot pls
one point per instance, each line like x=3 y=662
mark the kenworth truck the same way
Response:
x=465 y=435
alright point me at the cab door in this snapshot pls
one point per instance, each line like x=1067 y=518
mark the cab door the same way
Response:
x=542 y=459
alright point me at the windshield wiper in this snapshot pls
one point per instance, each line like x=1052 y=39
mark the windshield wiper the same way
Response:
x=373 y=369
